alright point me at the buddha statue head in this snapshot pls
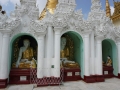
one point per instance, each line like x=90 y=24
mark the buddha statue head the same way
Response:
x=26 y=42
x=63 y=43
x=108 y=57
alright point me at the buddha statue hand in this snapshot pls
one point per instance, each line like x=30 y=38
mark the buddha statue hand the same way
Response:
x=17 y=64
x=24 y=60
x=109 y=61
x=33 y=63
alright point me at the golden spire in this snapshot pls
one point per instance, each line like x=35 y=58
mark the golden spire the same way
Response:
x=116 y=14
x=50 y=6
x=108 y=10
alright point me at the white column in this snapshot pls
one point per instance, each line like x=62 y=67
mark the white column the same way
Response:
x=57 y=52
x=0 y=49
x=98 y=69
x=49 y=51
x=0 y=43
x=5 y=56
x=92 y=65
x=40 y=56
x=45 y=47
x=86 y=55
x=118 y=44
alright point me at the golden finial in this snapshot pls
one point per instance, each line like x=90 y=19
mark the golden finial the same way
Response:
x=108 y=10
x=116 y=14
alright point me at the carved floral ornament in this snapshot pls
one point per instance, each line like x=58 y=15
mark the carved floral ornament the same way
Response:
x=117 y=31
x=48 y=18
x=64 y=16
x=3 y=17
x=65 y=6
x=9 y=23
x=29 y=2
x=38 y=26
x=27 y=7
x=118 y=40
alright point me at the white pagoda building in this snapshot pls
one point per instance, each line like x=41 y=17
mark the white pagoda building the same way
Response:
x=58 y=41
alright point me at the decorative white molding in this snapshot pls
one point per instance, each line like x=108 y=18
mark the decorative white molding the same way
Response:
x=24 y=19
x=117 y=31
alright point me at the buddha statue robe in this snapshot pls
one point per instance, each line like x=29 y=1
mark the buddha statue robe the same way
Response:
x=67 y=63
x=65 y=55
x=28 y=54
x=109 y=62
x=27 y=60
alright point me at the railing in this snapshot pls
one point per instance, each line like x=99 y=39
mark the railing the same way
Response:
x=46 y=81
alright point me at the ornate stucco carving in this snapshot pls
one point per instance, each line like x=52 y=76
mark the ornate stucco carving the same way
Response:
x=37 y=27
x=117 y=31
x=102 y=25
x=116 y=14
x=9 y=23
x=25 y=18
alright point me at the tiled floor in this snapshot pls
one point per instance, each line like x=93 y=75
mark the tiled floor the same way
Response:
x=109 y=84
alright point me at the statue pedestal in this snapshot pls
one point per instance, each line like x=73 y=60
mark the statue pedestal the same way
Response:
x=72 y=74
x=3 y=83
x=19 y=76
x=108 y=71
x=119 y=75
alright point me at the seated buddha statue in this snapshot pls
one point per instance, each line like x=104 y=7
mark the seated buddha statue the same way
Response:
x=26 y=56
x=109 y=61
x=64 y=55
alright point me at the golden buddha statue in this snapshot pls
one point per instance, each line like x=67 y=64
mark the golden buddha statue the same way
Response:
x=50 y=6
x=33 y=63
x=25 y=57
x=109 y=61
x=28 y=54
x=65 y=55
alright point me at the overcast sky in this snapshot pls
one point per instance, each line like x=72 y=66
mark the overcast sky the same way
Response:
x=8 y=5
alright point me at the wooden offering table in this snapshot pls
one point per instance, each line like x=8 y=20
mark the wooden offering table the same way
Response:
x=72 y=74
x=108 y=71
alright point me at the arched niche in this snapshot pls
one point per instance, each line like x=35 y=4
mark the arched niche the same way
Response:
x=109 y=48
x=78 y=50
x=17 y=42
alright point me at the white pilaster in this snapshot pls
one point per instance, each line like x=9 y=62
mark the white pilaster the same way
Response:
x=92 y=70
x=0 y=48
x=98 y=62
x=118 y=45
x=5 y=55
x=45 y=45
x=40 y=56
x=49 y=51
x=86 y=55
x=57 y=52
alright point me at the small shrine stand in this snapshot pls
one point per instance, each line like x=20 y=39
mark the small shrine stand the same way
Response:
x=19 y=76
x=72 y=74
x=108 y=71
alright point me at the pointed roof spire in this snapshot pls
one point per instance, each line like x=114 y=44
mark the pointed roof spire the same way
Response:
x=108 y=10
x=50 y=6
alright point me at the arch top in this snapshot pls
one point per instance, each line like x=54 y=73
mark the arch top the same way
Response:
x=112 y=42
x=21 y=34
x=73 y=32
